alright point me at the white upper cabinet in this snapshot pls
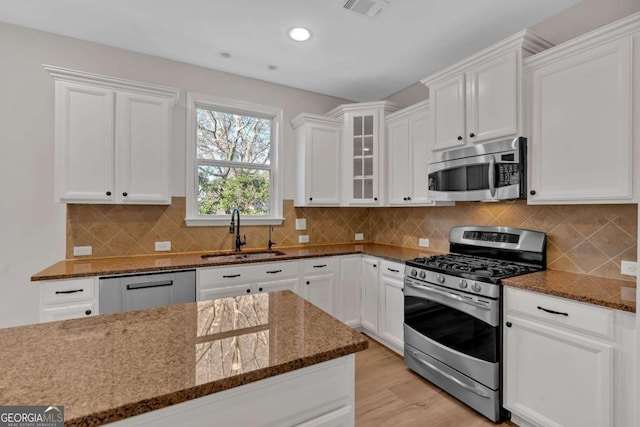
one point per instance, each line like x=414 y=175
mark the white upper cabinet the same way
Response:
x=583 y=99
x=479 y=99
x=112 y=139
x=408 y=155
x=319 y=142
x=363 y=145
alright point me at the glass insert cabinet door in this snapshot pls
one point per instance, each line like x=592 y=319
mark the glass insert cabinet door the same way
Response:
x=364 y=158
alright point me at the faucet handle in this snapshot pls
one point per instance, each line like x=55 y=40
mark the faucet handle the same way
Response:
x=244 y=242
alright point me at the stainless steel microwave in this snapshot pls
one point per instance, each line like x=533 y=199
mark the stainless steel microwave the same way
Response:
x=484 y=172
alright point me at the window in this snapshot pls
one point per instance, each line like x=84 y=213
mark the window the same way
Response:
x=232 y=159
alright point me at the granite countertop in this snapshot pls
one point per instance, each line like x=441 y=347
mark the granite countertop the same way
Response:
x=110 y=367
x=579 y=287
x=85 y=267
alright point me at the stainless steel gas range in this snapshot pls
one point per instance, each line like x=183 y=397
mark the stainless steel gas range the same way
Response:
x=453 y=309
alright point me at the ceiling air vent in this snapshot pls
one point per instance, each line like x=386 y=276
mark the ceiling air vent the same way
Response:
x=365 y=7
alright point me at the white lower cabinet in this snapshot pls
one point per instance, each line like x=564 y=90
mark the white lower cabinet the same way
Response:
x=348 y=291
x=319 y=282
x=370 y=294
x=391 y=324
x=68 y=299
x=236 y=280
x=561 y=362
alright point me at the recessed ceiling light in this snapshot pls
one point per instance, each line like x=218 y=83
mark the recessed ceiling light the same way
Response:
x=299 y=34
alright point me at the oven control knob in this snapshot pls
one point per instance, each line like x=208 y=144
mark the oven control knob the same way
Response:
x=423 y=274
x=440 y=278
x=475 y=287
x=414 y=272
x=463 y=284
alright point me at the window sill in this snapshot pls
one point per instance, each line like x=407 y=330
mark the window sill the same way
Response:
x=207 y=222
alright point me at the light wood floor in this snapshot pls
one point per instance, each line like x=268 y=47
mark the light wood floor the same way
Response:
x=389 y=394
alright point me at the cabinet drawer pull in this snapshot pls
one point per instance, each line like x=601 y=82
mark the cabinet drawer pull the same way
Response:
x=553 y=311
x=149 y=285
x=274 y=271
x=393 y=270
x=320 y=266
x=73 y=291
x=231 y=276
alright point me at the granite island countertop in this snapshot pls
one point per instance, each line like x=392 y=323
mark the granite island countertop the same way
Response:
x=111 y=367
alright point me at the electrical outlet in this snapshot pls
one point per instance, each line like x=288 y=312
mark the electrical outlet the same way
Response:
x=301 y=223
x=629 y=268
x=303 y=238
x=627 y=293
x=423 y=243
x=163 y=246
x=359 y=236
x=82 y=250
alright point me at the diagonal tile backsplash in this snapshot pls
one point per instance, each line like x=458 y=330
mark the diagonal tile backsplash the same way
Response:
x=589 y=239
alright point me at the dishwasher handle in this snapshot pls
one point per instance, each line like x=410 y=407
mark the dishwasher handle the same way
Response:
x=147 y=285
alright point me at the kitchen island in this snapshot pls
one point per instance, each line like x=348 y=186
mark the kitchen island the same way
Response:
x=253 y=360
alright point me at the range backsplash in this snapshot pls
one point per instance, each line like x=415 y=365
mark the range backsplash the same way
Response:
x=589 y=239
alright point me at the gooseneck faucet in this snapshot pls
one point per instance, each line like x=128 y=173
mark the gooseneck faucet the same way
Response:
x=235 y=213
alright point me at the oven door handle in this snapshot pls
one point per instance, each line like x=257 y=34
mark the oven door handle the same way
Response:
x=472 y=388
x=448 y=295
x=492 y=176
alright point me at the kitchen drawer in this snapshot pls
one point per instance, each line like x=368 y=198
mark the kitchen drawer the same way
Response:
x=67 y=312
x=392 y=269
x=276 y=270
x=319 y=266
x=225 y=276
x=573 y=315
x=66 y=291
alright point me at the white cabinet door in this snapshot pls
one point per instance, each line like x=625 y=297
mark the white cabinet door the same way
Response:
x=557 y=377
x=348 y=292
x=581 y=141
x=392 y=311
x=492 y=99
x=319 y=290
x=84 y=135
x=362 y=155
x=143 y=129
x=419 y=152
x=448 y=113
x=370 y=290
x=397 y=161
x=225 y=292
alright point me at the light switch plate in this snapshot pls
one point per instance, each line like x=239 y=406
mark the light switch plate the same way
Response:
x=303 y=238
x=163 y=246
x=423 y=243
x=359 y=236
x=82 y=250
x=301 y=223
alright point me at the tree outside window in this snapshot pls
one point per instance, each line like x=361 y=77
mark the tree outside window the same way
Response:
x=233 y=163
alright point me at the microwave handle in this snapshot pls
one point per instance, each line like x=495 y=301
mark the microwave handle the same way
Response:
x=492 y=176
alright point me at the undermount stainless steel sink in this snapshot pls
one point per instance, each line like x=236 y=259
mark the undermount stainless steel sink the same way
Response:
x=240 y=256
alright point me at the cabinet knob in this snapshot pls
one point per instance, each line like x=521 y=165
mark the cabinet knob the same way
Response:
x=509 y=324
x=404 y=198
x=308 y=283
x=125 y=194
x=260 y=289
x=375 y=198
x=374 y=265
x=532 y=192
x=108 y=193
x=88 y=312
x=248 y=291
x=472 y=135
x=408 y=198
x=310 y=198
x=459 y=138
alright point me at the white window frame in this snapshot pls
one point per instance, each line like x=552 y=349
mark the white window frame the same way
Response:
x=197 y=100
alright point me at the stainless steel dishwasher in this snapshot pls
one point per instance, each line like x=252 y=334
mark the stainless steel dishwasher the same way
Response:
x=141 y=291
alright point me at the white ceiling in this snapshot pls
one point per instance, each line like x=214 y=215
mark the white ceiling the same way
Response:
x=349 y=56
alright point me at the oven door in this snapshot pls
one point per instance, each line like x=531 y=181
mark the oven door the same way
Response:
x=497 y=176
x=458 y=329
